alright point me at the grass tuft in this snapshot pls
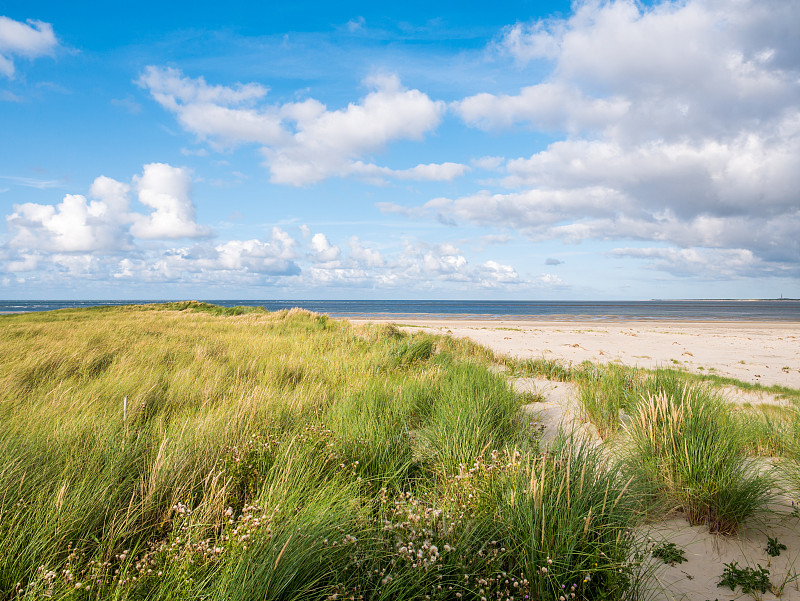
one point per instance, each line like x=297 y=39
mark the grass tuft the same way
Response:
x=689 y=449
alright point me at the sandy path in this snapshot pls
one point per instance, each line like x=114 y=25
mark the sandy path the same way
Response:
x=763 y=352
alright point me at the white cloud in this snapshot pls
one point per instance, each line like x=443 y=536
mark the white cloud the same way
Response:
x=424 y=172
x=711 y=176
x=437 y=264
x=547 y=106
x=74 y=225
x=233 y=262
x=705 y=263
x=53 y=244
x=695 y=68
x=224 y=115
x=497 y=273
x=167 y=190
x=529 y=41
x=325 y=143
x=323 y=251
x=364 y=255
x=105 y=223
x=303 y=142
x=30 y=40
x=683 y=122
x=24 y=262
x=550 y=280
x=529 y=210
x=490 y=163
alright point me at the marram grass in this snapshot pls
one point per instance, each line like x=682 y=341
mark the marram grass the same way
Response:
x=187 y=451
x=690 y=449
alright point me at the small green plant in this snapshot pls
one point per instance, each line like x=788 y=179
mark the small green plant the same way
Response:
x=751 y=580
x=669 y=553
x=774 y=548
x=529 y=397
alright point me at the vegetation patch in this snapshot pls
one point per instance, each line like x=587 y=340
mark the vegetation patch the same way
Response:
x=689 y=450
x=187 y=451
x=750 y=580
x=669 y=553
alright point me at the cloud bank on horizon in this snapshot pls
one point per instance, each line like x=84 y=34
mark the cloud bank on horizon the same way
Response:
x=619 y=150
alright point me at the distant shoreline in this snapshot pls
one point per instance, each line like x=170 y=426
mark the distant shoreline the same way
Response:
x=712 y=310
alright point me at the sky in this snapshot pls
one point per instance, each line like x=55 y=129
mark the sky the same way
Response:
x=521 y=150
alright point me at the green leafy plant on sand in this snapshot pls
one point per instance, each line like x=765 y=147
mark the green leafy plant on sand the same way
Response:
x=774 y=547
x=751 y=580
x=688 y=448
x=669 y=553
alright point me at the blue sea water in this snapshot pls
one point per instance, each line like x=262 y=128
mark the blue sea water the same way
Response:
x=722 y=310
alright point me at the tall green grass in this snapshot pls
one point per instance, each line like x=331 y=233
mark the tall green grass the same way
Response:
x=184 y=451
x=690 y=449
x=571 y=513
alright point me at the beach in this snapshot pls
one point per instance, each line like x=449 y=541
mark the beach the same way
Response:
x=756 y=352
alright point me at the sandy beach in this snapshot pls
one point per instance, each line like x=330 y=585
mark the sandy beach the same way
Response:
x=758 y=352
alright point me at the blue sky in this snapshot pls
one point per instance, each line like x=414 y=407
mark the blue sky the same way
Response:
x=519 y=150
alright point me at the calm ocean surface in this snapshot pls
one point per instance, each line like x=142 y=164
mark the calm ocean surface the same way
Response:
x=724 y=310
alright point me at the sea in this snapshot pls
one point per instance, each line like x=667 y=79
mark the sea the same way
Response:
x=780 y=310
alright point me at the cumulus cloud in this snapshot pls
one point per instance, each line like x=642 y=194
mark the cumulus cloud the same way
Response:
x=683 y=123
x=234 y=260
x=74 y=225
x=303 y=142
x=364 y=255
x=434 y=263
x=546 y=106
x=166 y=190
x=102 y=236
x=30 y=40
x=323 y=251
x=104 y=222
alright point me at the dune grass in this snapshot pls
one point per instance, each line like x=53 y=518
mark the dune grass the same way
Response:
x=186 y=451
x=688 y=447
x=696 y=452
